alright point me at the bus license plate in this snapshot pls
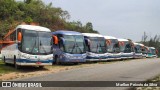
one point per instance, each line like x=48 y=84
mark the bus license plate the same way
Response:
x=38 y=62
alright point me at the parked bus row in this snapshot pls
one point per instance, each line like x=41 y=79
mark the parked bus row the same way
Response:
x=37 y=46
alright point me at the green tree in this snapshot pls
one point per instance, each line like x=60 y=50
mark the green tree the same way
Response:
x=13 y=12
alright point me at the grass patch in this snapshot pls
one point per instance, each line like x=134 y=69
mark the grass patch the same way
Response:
x=6 y=69
x=154 y=80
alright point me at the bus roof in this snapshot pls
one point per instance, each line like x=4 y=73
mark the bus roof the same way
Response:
x=33 y=27
x=152 y=47
x=109 y=37
x=66 y=32
x=136 y=43
x=121 y=39
x=92 y=35
x=141 y=44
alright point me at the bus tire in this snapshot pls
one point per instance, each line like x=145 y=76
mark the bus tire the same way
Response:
x=4 y=60
x=41 y=67
x=15 y=65
x=75 y=63
x=57 y=60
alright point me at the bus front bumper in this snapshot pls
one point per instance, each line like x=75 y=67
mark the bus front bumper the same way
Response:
x=96 y=59
x=33 y=64
x=27 y=62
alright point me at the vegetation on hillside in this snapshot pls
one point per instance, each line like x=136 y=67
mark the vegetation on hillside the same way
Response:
x=14 y=12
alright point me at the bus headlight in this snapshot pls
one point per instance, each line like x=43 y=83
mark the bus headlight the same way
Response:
x=67 y=55
x=89 y=54
x=84 y=56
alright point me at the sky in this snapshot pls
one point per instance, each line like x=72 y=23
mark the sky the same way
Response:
x=119 y=18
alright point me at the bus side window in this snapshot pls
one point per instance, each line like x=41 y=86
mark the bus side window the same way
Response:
x=87 y=44
x=61 y=45
x=13 y=36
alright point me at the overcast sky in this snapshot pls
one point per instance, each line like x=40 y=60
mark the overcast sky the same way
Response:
x=119 y=18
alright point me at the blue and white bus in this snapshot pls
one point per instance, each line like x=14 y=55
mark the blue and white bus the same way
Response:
x=28 y=45
x=126 y=48
x=113 y=48
x=138 y=51
x=69 y=47
x=96 y=47
x=144 y=50
x=152 y=52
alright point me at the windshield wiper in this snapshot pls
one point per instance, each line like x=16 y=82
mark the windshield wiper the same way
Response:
x=76 y=45
x=33 y=47
x=79 y=47
x=97 y=48
x=73 y=48
x=43 y=47
x=104 y=48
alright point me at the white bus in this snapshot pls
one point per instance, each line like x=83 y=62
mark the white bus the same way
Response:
x=112 y=48
x=144 y=50
x=28 y=45
x=152 y=52
x=96 y=47
x=138 y=50
x=126 y=49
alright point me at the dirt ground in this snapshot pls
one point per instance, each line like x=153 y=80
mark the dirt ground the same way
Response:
x=34 y=71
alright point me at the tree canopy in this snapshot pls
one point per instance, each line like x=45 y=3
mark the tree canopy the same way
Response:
x=14 y=12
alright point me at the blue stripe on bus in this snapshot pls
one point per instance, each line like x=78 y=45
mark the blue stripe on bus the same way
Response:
x=33 y=61
x=88 y=57
x=72 y=60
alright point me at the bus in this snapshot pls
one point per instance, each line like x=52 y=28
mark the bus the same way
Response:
x=68 y=47
x=151 y=52
x=138 y=50
x=126 y=48
x=27 y=45
x=112 y=48
x=144 y=50
x=96 y=47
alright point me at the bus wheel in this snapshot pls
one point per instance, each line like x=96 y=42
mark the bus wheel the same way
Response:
x=15 y=65
x=75 y=63
x=57 y=60
x=4 y=60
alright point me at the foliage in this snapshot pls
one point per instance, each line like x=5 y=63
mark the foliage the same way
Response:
x=152 y=42
x=14 y=12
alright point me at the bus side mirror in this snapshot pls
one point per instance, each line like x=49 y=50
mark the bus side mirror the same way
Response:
x=19 y=36
x=55 y=39
x=108 y=42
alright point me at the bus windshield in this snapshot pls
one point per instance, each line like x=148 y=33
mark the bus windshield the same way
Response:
x=97 y=45
x=36 y=42
x=125 y=47
x=74 y=44
x=138 y=49
x=153 y=51
x=112 y=46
